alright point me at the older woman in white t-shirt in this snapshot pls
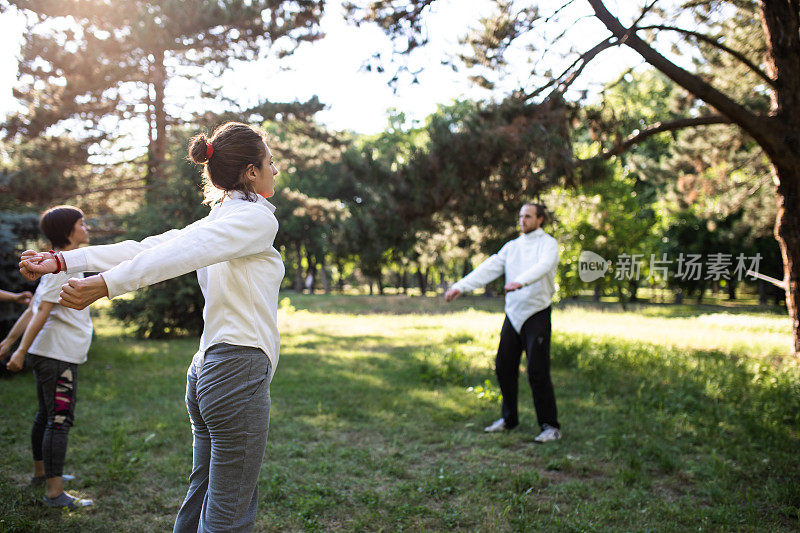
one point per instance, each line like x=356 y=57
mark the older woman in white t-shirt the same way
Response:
x=239 y=270
x=56 y=339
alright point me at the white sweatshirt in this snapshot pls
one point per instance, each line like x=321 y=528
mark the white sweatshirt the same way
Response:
x=237 y=266
x=530 y=259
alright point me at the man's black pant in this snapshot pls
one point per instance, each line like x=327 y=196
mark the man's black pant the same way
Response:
x=535 y=339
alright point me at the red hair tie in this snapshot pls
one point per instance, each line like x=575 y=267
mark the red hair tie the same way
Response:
x=209 y=150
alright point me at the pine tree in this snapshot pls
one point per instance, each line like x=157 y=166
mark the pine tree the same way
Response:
x=89 y=65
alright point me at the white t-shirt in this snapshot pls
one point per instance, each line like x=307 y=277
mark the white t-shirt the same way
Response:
x=67 y=333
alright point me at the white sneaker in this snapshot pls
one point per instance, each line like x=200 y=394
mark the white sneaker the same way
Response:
x=548 y=434
x=496 y=427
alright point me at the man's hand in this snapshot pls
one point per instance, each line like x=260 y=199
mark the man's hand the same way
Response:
x=79 y=293
x=451 y=295
x=33 y=265
x=16 y=361
x=512 y=286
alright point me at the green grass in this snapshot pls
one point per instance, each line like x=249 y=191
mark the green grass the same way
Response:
x=674 y=419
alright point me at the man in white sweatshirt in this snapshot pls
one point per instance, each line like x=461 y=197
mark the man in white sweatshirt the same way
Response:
x=529 y=263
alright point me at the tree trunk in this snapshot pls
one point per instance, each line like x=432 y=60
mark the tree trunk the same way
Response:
x=421 y=281
x=404 y=281
x=787 y=231
x=311 y=271
x=298 y=273
x=379 y=279
x=340 y=270
x=678 y=296
x=731 y=289
x=158 y=148
x=621 y=296
x=151 y=133
x=597 y=293
x=780 y=21
x=778 y=133
x=323 y=274
x=633 y=286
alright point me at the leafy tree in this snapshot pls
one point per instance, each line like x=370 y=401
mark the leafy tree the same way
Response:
x=307 y=197
x=307 y=227
x=16 y=230
x=763 y=58
x=605 y=217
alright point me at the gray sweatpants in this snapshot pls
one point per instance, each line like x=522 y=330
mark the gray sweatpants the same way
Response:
x=227 y=395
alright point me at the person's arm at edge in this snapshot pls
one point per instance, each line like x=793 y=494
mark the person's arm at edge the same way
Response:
x=19 y=297
x=16 y=330
x=7 y=296
x=31 y=331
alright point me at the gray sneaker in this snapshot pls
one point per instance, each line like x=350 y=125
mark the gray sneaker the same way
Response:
x=548 y=434
x=496 y=427
x=67 y=501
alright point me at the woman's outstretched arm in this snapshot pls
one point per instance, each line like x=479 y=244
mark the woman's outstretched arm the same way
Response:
x=92 y=258
x=242 y=232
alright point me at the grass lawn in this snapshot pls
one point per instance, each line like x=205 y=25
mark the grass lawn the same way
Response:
x=674 y=418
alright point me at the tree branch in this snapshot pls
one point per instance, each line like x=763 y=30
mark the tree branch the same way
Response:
x=660 y=127
x=759 y=127
x=713 y=42
x=102 y=190
x=568 y=72
x=558 y=10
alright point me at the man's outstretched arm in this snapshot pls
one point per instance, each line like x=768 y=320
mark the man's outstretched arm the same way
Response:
x=486 y=272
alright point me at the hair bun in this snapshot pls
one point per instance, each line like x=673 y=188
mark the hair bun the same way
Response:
x=198 y=149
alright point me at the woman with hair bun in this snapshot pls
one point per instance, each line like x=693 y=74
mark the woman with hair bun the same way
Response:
x=239 y=270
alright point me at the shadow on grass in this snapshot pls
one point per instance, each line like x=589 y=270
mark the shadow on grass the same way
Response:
x=376 y=432
x=729 y=427
x=401 y=305
x=371 y=378
x=670 y=310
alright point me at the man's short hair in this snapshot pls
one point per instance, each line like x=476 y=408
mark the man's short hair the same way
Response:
x=541 y=212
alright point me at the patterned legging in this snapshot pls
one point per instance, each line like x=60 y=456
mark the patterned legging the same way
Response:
x=56 y=388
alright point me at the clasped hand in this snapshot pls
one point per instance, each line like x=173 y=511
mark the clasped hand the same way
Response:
x=33 y=265
x=77 y=293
